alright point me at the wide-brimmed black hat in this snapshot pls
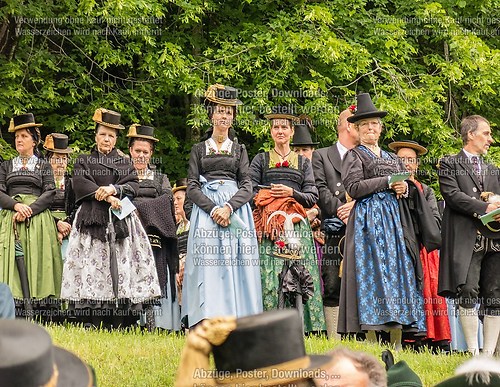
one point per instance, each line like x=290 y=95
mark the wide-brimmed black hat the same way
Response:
x=142 y=131
x=28 y=359
x=180 y=184
x=284 y=112
x=57 y=143
x=108 y=118
x=302 y=136
x=365 y=109
x=396 y=145
x=22 y=121
x=222 y=95
x=263 y=343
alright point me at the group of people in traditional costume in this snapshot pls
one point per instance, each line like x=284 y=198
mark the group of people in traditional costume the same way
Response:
x=346 y=234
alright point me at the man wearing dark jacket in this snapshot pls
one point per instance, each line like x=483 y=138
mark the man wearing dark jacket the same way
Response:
x=470 y=255
x=327 y=167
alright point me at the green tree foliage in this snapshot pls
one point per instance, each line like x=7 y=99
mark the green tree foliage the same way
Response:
x=427 y=64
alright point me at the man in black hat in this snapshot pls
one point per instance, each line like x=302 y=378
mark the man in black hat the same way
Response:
x=470 y=258
x=327 y=166
x=29 y=359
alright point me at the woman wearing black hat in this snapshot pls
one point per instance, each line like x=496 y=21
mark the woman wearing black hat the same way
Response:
x=26 y=192
x=222 y=273
x=283 y=182
x=155 y=207
x=379 y=285
x=57 y=153
x=109 y=269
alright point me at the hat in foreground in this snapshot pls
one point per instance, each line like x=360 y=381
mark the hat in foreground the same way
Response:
x=266 y=349
x=476 y=372
x=28 y=359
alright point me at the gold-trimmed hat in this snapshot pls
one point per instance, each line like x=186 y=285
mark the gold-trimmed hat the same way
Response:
x=180 y=184
x=222 y=95
x=396 y=145
x=283 y=112
x=142 y=131
x=22 y=121
x=57 y=143
x=263 y=342
x=108 y=118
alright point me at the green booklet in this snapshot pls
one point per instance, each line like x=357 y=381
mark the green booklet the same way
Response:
x=402 y=176
x=488 y=218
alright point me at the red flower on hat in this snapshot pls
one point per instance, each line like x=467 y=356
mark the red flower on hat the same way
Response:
x=278 y=165
x=353 y=108
x=280 y=244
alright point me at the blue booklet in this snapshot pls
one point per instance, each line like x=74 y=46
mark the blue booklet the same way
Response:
x=126 y=210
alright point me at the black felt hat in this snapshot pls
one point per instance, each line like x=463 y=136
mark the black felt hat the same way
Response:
x=28 y=359
x=57 y=143
x=269 y=349
x=222 y=95
x=142 y=131
x=108 y=118
x=396 y=145
x=302 y=136
x=284 y=112
x=365 y=109
x=22 y=121
x=180 y=184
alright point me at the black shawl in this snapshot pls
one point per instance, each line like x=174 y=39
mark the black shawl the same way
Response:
x=93 y=171
x=157 y=217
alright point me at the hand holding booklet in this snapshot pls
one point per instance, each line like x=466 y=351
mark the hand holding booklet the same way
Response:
x=488 y=218
x=237 y=225
x=126 y=210
x=402 y=176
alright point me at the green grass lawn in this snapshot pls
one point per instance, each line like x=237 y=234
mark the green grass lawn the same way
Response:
x=135 y=358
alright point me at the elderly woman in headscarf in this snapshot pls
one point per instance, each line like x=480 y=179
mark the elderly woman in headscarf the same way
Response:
x=26 y=192
x=109 y=271
x=283 y=183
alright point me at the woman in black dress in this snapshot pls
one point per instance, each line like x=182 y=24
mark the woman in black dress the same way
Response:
x=155 y=207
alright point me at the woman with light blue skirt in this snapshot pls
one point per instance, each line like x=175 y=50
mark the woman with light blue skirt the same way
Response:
x=222 y=270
